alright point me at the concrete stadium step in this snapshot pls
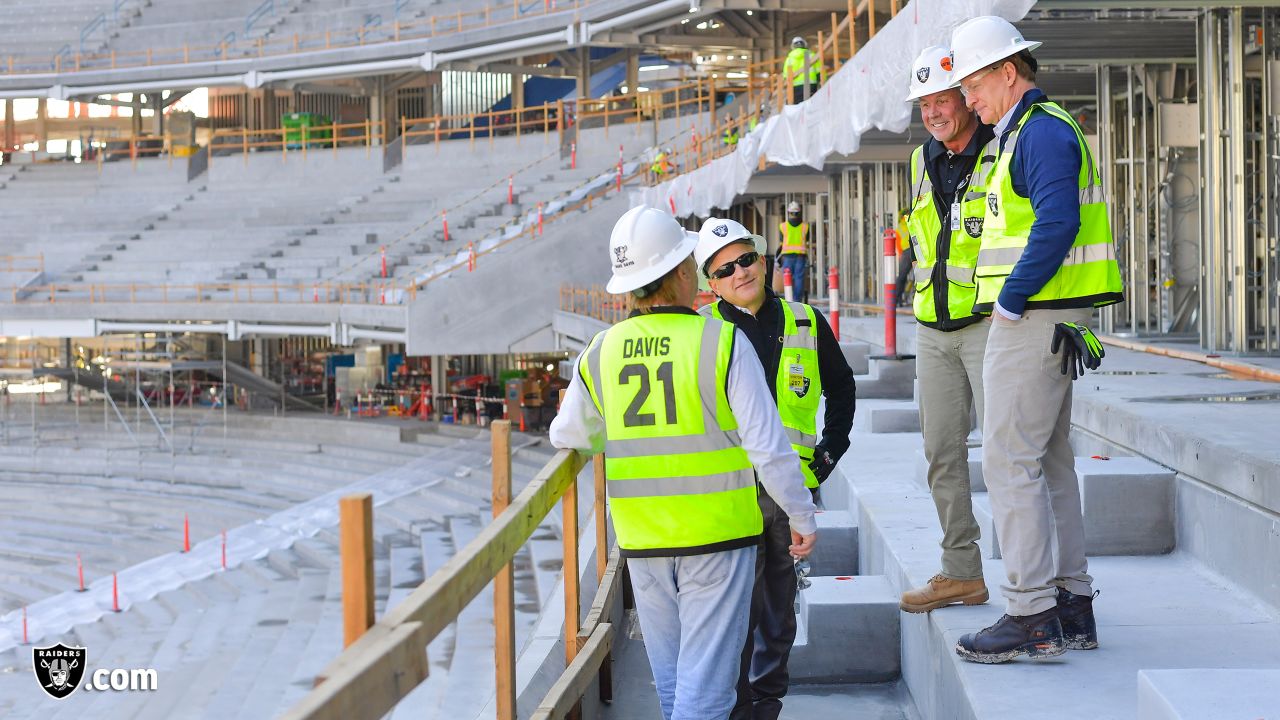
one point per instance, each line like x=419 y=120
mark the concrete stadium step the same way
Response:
x=890 y=379
x=837 y=554
x=851 y=631
x=857 y=354
x=1209 y=692
x=1128 y=508
x=885 y=416
x=470 y=679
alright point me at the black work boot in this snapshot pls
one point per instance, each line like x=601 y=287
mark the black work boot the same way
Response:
x=1036 y=636
x=1079 y=631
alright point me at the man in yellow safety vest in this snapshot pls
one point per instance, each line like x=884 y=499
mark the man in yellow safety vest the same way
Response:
x=1046 y=260
x=680 y=406
x=805 y=71
x=793 y=254
x=804 y=363
x=944 y=227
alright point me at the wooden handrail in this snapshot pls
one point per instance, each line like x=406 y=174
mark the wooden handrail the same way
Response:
x=380 y=668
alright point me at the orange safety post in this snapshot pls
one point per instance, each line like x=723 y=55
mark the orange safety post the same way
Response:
x=890 y=291
x=833 y=300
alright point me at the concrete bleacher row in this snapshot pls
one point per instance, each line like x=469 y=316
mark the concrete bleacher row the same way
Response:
x=1186 y=570
x=300 y=221
x=247 y=641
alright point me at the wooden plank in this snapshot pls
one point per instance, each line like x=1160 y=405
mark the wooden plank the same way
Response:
x=570 y=569
x=602 y=520
x=504 y=599
x=577 y=678
x=355 y=513
x=606 y=596
x=436 y=603
x=389 y=665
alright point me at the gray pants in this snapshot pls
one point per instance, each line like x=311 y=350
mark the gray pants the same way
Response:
x=764 y=677
x=949 y=365
x=1028 y=464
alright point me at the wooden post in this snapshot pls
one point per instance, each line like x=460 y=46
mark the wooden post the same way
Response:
x=602 y=525
x=893 y=8
x=572 y=601
x=822 y=61
x=356 y=516
x=835 y=43
x=504 y=619
x=871 y=18
x=853 y=24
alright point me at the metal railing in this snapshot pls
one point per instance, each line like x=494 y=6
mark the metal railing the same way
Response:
x=384 y=662
x=68 y=59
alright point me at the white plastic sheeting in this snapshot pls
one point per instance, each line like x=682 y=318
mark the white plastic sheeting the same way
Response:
x=868 y=92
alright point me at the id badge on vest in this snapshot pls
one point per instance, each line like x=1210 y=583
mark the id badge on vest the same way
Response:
x=795 y=379
x=955 y=216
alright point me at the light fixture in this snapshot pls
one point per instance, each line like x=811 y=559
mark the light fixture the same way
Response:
x=702 y=25
x=652 y=68
x=750 y=12
x=735 y=75
x=684 y=21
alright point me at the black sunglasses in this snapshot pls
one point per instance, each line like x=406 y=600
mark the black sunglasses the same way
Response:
x=745 y=260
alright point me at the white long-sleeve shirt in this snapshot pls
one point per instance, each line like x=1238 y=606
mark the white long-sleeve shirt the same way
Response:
x=580 y=427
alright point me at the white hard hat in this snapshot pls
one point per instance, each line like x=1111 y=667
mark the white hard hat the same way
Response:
x=645 y=245
x=930 y=73
x=984 y=41
x=715 y=234
x=798 y=42
x=793 y=207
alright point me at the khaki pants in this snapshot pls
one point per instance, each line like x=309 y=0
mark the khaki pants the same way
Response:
x=1028 y=464
x=949 y=366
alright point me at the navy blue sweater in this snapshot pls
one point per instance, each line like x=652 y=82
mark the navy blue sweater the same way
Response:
x=1046 y=169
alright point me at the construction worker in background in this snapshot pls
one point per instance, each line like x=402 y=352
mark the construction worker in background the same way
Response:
x=793 y=254
x=680 y=406
x=944 y=227
x=1046 y=260
x=806 y=73
x=731 y=135
x=662 y=165
x=803 y=359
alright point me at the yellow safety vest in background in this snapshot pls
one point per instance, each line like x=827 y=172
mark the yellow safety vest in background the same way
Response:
x=798 y=385
x=1089 y=275
x=679 y=481
x=794 y=66
x=793 y=238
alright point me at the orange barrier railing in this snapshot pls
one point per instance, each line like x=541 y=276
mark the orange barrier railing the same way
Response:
x=315 y=138
x=594 y=302
x=428 y=27
x=22 y=263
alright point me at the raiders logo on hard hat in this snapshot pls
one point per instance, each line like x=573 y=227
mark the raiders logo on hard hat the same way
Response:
x=973 y=226
x=993 y=203
x=720 y=230
x=923 y=74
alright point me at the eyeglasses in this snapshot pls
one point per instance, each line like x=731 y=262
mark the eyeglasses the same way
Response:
x=745 y=260
x=967 y=88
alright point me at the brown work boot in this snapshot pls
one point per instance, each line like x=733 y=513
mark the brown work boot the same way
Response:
x=942 y=591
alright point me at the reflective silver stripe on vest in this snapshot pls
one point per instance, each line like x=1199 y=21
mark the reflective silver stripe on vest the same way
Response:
x=958 y=274
x=593 y=367
x=971 y=196
x=795 y=437
x=685 y=485
x=707 y=355
x=1079 y=255
x=921 y=180
x=800 y=342
x=955 y=274
x=672 y=445
x=1092 y=195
